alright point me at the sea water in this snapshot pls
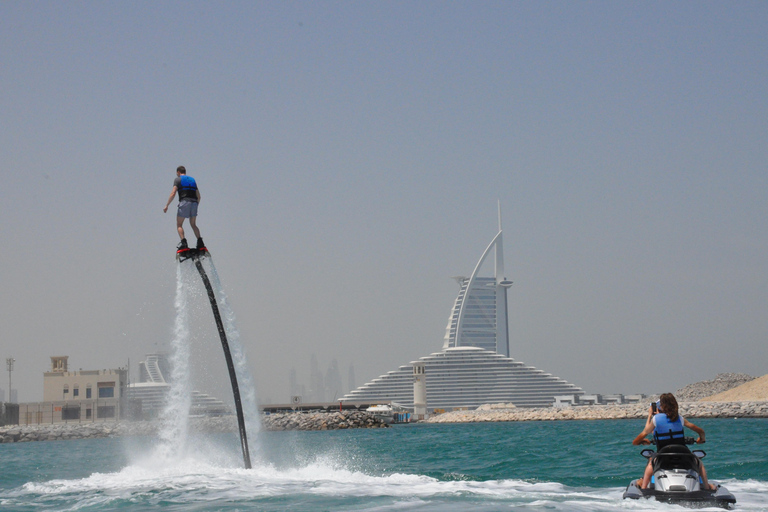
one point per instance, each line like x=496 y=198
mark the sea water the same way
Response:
x=565 y=465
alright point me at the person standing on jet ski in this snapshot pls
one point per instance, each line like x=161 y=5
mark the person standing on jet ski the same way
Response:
x=667 y=428
x=189 y=198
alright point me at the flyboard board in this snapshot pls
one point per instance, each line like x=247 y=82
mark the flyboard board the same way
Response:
x=191 y=253
x=196 y=255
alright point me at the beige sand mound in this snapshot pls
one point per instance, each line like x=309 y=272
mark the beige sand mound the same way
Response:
x=753 y=390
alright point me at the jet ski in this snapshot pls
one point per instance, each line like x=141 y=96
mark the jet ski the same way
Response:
x=676 y=479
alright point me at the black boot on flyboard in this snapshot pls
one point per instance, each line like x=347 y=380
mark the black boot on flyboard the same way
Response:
x=184 y=252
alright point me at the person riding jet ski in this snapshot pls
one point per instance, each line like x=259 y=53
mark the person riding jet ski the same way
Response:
x=674 y=473
x=666 y=424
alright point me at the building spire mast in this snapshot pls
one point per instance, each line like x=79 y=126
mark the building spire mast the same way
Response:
x=502 y=284
x=499 y=270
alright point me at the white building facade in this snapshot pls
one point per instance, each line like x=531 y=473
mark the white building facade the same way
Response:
x=149 y=396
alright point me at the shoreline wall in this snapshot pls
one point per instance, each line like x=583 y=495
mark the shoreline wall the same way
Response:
x=271 y=422
x=357 y=419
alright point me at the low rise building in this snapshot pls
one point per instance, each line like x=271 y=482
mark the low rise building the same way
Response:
x=77 y=396
x=614 y=399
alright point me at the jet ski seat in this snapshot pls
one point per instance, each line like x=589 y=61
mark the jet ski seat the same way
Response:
x=675 y=456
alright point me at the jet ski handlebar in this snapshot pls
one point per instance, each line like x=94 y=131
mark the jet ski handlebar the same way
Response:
x=686 y=440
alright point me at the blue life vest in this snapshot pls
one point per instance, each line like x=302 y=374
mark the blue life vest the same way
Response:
x=188 y=188
x=668 y=432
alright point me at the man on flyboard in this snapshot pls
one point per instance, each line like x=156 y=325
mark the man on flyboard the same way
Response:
x=189 y=198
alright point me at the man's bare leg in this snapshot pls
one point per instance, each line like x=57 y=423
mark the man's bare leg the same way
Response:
x=179 y=226
x=193 y=223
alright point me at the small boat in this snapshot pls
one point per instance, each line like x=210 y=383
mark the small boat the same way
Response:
x=383 y=412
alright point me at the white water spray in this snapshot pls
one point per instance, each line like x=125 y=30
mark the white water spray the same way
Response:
x=247 y=385
x=174 y=430
x=175 y=415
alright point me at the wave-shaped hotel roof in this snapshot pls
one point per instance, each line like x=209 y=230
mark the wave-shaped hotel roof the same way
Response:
x=474 y=366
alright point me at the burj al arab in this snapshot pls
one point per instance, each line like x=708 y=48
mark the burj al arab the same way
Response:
x=474 y=366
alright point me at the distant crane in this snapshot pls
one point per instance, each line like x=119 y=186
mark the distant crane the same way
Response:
x=9 y=361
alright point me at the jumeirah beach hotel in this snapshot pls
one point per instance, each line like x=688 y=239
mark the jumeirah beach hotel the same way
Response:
x=474 y=366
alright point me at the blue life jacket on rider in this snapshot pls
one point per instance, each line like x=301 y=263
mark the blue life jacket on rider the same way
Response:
x=668 y=432
x=188 y=188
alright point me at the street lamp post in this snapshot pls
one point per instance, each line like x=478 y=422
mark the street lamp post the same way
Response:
x=9 y=361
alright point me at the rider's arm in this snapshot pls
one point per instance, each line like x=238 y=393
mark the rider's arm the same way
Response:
x=170 y=198
x=649 y=419
x=696 y=429
x=641 y=437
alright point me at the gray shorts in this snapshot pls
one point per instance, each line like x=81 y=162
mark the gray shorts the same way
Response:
x=187 y=209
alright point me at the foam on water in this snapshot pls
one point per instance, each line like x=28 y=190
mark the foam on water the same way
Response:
x=195 y=482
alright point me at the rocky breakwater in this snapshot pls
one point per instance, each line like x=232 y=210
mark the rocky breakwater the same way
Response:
x=493 y=413
x=321 y=421
x=283 y=421
x=57 y=432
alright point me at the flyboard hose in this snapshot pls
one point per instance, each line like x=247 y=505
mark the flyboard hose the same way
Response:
x=228 y=357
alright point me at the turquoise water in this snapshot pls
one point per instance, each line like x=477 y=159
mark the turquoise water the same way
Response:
x=576 y=465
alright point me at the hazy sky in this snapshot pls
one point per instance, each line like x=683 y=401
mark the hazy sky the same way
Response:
x=350 y=156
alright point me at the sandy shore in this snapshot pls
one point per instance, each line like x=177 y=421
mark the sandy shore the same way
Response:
x=747 y=409
x=739 y=400
x=753 y=390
